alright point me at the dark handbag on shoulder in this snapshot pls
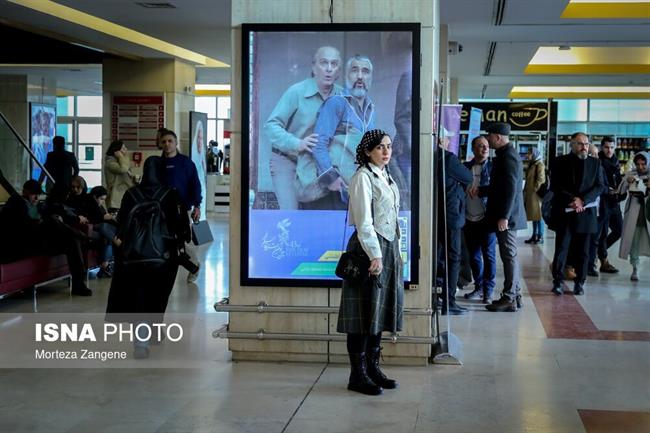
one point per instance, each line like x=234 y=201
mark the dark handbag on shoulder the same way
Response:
x=353 y=267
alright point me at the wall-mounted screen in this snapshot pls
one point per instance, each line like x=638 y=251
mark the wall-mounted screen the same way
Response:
x=42 y=129
x=198 y=152
x=310 y=92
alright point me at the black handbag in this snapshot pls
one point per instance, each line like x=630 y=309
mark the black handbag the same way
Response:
x=353 y=267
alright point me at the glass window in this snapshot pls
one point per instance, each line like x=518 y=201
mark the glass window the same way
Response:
x=212 y=130
x=572 y=110
x=206 y=104
x=90 y=133
x=223 y=107
x=90 y=157
x=89 y=106
x=65 y=106
x=65 y=131
x=93 y=178
x=220 y=131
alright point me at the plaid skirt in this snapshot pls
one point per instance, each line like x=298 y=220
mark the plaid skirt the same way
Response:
x=376 y=305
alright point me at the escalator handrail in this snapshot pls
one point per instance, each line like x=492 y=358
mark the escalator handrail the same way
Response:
x=27 y=148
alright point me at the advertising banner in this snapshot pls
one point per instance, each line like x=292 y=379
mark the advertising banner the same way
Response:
x=310 y=93
x=474 y=130
x=450 y=130
x=42 y=129
x=198 y=151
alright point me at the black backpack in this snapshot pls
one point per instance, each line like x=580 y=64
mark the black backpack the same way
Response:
x=147 y=239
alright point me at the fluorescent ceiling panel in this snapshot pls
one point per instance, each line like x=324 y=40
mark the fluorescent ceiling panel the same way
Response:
x=590 y=60
x=103 y=26
x=607 y=9
x=571 y=92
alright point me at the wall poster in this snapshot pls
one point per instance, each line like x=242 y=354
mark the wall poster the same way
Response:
x=310 y=91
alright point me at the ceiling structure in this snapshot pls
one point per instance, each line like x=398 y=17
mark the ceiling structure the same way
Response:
x=499 y=38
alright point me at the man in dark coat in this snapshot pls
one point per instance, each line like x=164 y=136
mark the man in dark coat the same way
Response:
x=611 y=218
x=457 y=178
x=505 y=211
x=576 y=184
x=63 y=166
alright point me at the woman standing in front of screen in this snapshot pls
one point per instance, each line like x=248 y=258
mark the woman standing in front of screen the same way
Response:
x=375 y=306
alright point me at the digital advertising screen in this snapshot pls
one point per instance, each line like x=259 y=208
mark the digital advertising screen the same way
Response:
x=198 y=152
x=42 y=129
x=310 y=92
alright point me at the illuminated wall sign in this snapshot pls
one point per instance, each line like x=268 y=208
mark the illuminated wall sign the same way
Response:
x=522 y=116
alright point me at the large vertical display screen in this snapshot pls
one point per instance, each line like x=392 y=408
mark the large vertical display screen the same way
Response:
x=310 y=91
x=42 y=129
x=198 y=152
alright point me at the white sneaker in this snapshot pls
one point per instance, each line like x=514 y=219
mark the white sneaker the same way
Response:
x=192 y=277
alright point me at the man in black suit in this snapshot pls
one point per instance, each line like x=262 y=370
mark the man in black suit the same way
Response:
x=505 y=211
x=63 y=166
x=457 y=178
x=576 y=182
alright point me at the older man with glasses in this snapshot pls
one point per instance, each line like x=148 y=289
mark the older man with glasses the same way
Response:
x=576 y=182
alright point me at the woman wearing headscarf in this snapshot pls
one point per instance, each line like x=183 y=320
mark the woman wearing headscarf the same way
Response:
x=535 y=177
x=635 y=241
x=117 y=172
x=375 y=306
x=141 y=290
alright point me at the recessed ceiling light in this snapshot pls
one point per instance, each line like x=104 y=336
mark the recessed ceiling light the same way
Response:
x=607 y=60
x=607 y=9
x=581 y=92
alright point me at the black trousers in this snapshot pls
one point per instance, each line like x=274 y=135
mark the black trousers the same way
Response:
x=613 y=222
x=453 y=254
x=578 y=243
x=358 y=343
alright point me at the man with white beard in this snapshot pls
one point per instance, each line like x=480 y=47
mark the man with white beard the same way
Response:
x=342 y=121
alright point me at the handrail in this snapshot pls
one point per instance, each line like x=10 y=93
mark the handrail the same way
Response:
x=261 y=334
x=263 y=307
x=27 y=148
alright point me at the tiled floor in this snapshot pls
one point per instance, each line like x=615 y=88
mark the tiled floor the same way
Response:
x=560 y=365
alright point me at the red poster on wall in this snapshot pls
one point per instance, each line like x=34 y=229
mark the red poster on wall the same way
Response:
x=136 y=118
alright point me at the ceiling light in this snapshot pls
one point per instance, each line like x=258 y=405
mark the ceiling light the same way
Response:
x=607 y=9
x=590 y=60
x=580 y=92
x=115 y=30
x=212 y=89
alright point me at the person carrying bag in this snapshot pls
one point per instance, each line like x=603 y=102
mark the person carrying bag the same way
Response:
x=373 y=304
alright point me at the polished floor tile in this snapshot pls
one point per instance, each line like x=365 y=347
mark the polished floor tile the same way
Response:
x=570 y=365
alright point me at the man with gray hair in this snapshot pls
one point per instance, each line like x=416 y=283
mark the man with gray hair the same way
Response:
x=290 y=127
x=576 y=183
x=342 y=121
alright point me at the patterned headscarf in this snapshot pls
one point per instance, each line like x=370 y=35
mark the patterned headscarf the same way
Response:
x=369 y=141
x=535 y=154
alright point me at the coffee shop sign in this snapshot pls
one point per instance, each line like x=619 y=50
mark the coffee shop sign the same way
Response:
x=531 y=117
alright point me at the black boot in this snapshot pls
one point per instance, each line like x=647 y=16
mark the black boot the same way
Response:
x=532 y=240
x=359 y=380
x=374 y=373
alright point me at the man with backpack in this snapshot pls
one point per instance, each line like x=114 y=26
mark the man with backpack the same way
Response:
x=152 y=228
x=181 y=175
